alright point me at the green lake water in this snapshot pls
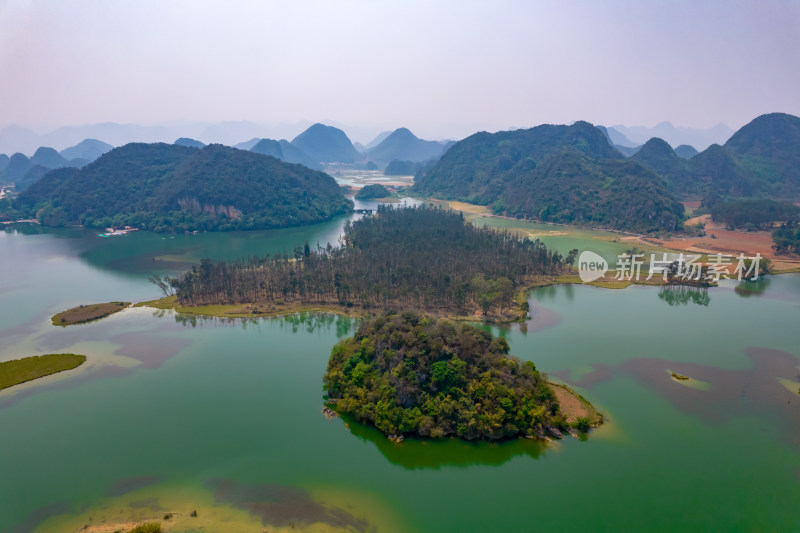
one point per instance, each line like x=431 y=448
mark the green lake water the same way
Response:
x=225 y=415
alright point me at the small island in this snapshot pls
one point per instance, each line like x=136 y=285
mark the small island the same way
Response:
x=371 y=192
x=87 y=313
x=35 y=367
x=413 y=374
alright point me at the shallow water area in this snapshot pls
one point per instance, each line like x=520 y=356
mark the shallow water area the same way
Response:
x=224 y=416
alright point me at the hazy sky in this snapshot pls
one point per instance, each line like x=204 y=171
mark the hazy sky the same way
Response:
x=444 y=69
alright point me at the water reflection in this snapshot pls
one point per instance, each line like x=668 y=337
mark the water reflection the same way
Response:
x=745 y=289
x=295 y=322
x=435 y=454
x=676 y=295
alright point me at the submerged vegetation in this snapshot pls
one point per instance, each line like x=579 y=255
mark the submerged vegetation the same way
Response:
x=424 y=258
x=410 y=373
x=30 y=368
x=87 y=313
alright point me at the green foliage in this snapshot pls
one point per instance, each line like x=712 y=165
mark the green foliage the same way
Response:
x=521 y=173
x=30 y=368
x=787 y=237
x=423 y=257
x=659 y=157
x=565 y=174
x=165 y=187
x=768 y=149
x=396 y=167
x=437 y=378
x=375 y=190
x=753 y=214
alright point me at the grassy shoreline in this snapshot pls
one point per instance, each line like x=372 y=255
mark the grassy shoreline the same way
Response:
x=27 y=369
x=265 y=309
x=87 y=313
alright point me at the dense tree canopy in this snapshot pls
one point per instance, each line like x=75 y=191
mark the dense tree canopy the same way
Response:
x=424 y=257
x=787 y=237
x=166 y=187
x=376 y=190
x=753 y=214
x=565 y=174
x=410 y=373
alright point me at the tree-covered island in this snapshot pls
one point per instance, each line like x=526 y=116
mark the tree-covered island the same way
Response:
x=424 y=258
x=371 y=192
x=412 y=374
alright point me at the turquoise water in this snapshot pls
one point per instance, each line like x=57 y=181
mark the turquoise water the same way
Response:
x=180 y=405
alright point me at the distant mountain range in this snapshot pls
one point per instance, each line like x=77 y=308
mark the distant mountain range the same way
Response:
x=189 y=142
x=762 y=159
x=552 y=173
x=326 y=144
x=403 y=145
x=315 y=147
x=17 y=139
x=285 y=151
x=166 y=187
x=699 y=138
x=377 y=140
x=23 y=171
x=575 y=174
x=321 y=144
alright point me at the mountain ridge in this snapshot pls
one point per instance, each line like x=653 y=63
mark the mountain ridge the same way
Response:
x=171 y=187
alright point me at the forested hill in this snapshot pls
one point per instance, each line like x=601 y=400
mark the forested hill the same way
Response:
x=326 y=144
x=285 y=151
x=403 y=145
x=474 y=167
x=761 y=160
x=413 y=374
x=567 y=174
x=768 y=148
x=569 y=187
x=166 y=187
x=659 y=157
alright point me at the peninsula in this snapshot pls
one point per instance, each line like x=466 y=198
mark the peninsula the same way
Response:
x=424 y=258
x=87 y=313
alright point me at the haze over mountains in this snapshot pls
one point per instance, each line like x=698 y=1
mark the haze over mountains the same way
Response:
x=316 y=147
x=575 y=174
x=403 y=145
x=675 y=135
x=321 y=144
x=19 y=139
x=762 y=159
x=23 y=171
